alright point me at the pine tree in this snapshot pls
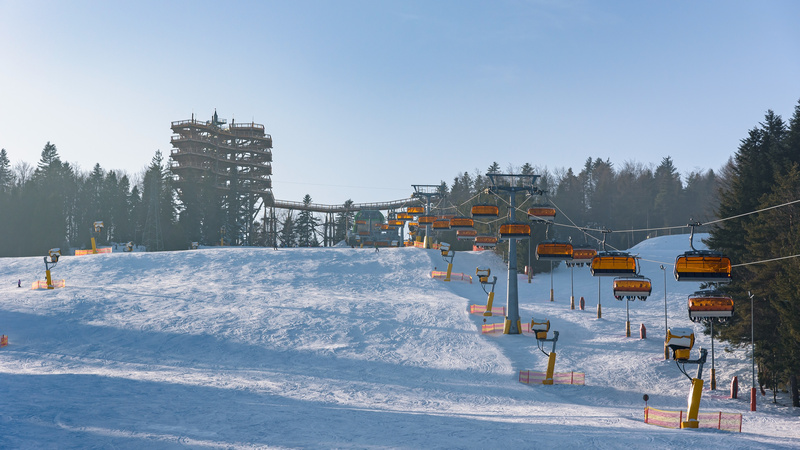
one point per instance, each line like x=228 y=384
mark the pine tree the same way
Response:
x=158 y=206
x=306 y=225
x=668 y=196
x=6 y=176
x=288 y=234
x=344 y=220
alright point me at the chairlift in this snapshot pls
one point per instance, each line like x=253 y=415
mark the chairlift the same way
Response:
x=710 y=304
x=513 y=230
x=426 y=219
x=466 y=233
x=702 y=265
x=632 y=287
x=553 y=250
x=441 y=224
x=415 y=210
x=613 y=264
x=485 y=241
x=582 y=255
x=542 y=213
x=404 y=216
x=485 y=211
x=461 y=222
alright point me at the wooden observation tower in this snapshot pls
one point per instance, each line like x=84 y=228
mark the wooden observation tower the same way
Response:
x=235 y=161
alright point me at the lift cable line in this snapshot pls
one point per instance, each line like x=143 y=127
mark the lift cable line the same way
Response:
x=765 y=261
x=752 y=212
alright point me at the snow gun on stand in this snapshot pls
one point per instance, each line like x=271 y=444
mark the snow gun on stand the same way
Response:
x=680 y=341
x=448 y=256
x=483 y=276
x=53 y=254
x=540 y=328
x=97 y=229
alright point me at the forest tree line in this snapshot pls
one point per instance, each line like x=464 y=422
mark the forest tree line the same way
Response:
x=54 y=204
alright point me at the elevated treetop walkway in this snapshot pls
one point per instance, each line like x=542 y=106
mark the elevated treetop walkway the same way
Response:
x=332 y=209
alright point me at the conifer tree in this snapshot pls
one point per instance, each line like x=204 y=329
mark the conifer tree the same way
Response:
x=306 y=225
x=6 y=176
x=344 y=220
x=288 y=234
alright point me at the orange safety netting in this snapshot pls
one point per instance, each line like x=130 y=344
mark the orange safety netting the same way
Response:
x=453 y=276
x=673 y=419
x=480 y=309
x=90 y=252
x=492 y=328
x=498 y=327
x=534 y=377
x=42 y=284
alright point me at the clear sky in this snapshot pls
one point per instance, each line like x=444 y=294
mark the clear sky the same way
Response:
x=365 y=98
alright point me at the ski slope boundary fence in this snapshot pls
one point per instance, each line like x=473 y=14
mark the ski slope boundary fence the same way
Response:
x=438 y=274
x=480 y=309
x=534 y=377
x=673 y=419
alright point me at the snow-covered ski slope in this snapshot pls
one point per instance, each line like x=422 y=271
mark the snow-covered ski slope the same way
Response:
x=344 y=348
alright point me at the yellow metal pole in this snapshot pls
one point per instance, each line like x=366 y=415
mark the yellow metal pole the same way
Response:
x=694 y=404
x=551 y=365
x=488 y=311
x=449 y=270
x=94 y=247
x=49 y=279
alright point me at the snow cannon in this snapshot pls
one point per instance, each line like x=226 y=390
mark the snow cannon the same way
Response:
x=447 y=256
x=483 y=276
x=195 y=245
x=680 y=341
x=128 y=247
x=54 y=254
x=540 y=327
x=98 y=228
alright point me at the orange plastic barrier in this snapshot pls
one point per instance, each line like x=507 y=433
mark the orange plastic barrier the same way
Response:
x=89 y=251
x=534 y=377
x=480 y=309
x=488 y=328
x=673 y=419
x=438 y=274
x=42 y=284
x=492 y=328
x=666 y=419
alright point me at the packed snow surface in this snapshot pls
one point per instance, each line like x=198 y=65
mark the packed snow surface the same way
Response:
x=347 y=348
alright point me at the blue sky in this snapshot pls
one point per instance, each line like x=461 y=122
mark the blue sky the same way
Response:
x=365 y=98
